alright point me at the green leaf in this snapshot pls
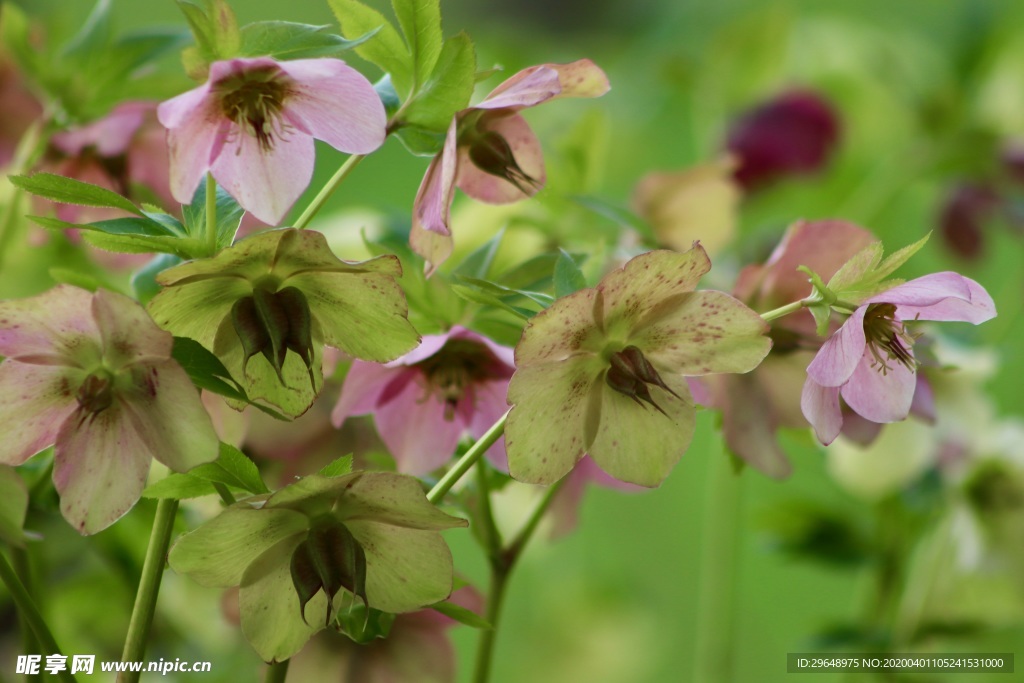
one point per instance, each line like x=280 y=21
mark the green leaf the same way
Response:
x=13 y=506
x=568 y=277
x=143 y=282
x=533 y=274
x=229 y=216
x=494 y=288
x=70 y=276
x=421 y=23
x=448 y=89
x=133 y=51
x=478 y=264
x=461 y=615
x=68 y=191
x=234 y=469
x=386 y=48
x=93 y=37
x=894 y=261
x=419 y=141
x=386 y=92
x=202 y=31
x=290 y=40
x=477 y=296
x=616 y=214
x=205 y=369
x=339 y=467
x=137 y=244
x=179 y=487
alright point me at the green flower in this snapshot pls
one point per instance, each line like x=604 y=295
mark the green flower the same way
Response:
x=268 y=304
x=601 y=372
x=370 y=535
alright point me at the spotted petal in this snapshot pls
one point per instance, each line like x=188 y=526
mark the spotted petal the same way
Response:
x=53 y=328
x=35 y=400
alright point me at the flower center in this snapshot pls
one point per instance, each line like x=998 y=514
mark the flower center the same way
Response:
x=490 y=152
x=459 y=364
x=97 y=391
x=888 y=338
x=254 y=100
x=630 y=374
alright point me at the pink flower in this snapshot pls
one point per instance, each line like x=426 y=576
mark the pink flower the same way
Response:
x=426 y=400
x=491 y=154
x=93 y=375
x=252 y=125
x=870 y=360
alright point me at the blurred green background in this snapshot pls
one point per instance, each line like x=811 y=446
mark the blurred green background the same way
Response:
x=927 y=90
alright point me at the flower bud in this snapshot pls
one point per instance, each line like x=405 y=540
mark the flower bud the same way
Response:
x=272 y=323
x=491 y=153
x=329 y=559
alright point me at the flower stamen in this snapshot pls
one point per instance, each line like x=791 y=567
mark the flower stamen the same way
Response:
x=888 y=338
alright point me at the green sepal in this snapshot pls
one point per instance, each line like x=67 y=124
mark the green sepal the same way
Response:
x=865 y=274
x=337 y=468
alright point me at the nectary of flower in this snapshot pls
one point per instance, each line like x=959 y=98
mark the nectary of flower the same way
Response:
x=300 y=553
x=793 y=134
x=92 y=375
x=267 y=305
x=426 y=400
x=252 y=125
x=869 y=361
x=602 y=371
x=491 y=154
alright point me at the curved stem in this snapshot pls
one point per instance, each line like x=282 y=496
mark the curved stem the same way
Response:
x=277 y=672
x=27 y=610
x=211 y=214
x=781 y=311
x=149 y=587
x=463 y=464
x=327 y=190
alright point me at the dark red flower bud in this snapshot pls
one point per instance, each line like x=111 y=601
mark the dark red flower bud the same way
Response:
x=963 y=217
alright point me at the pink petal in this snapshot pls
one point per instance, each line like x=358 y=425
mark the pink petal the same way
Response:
x=429 y=345
x=923 y=405
x=503 y=354
x=878 y=397
x=527 y=88
x=109 y=136
x=196 y=134
x=34 y=402
x=432 y=207
x=335 y=103
x=100 y=468
x=749 y=423
x=839 y=355
x=129 y=334
x=360 y=394
x=581 y=78
x=265 y=182
x=926 y=291
x=414 y=428
x=527 y=152
x=976 y=307
x=435 y=248
x=820 y=406
x=55 y=327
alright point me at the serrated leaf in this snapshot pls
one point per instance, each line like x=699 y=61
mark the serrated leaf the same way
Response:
x=291 y=40
x=421 y=23
x=478 y=263
x=568 y=277
x=137 y=244
x=179 y=486
x=461 y=615
x=861 y=263
x=69 y=191
x=339 y=467
x=232 y=468
x=898 y=258
x=205 y=369
x=448 y=88
x=386 y=48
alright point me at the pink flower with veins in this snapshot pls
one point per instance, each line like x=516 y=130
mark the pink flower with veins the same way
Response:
x=491 y=154
x=426 y=400
x=870 y=361
x=252 y=125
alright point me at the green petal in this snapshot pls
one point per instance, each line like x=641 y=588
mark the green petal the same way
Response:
x=406 y=569
x=196 y=310
x=646 y=284
x=271 y=618
x=554 y=419
x=702 y=333
x=637 y=443
x=301 y=251
x=218 y=552
x=128 y=333
x=564 y=329
x=363 y=314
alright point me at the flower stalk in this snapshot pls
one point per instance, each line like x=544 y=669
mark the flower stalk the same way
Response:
x=452 y=476
x=327 y=190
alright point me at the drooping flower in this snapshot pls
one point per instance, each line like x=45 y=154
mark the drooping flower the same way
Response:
x=302 y=552
x=869 y=361
x=795 y=133
x=252 y=125
x=267 y=305
x=602 y=371
x=964 y=215
x=423 y=402
x=92 y=375
x=491 y=154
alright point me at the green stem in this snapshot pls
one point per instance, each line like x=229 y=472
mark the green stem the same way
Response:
x=327 y=190
x=224 y=493
x=149 y=587
x=492 y=537
x=277 y=672
x=463 y=464
x=719 y=541
x=27 y=610
x=23 y=568
x=7 y=221
x=781 y=311
x=211 y=214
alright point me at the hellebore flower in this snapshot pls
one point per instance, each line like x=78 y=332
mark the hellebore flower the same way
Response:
x=92 y=374
x=426 y=400
x=252 y=126
x=268 y=304
x=372 y=534
x=491 y=154
x=870 y=360
x=793 y=134
x=602 y=371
